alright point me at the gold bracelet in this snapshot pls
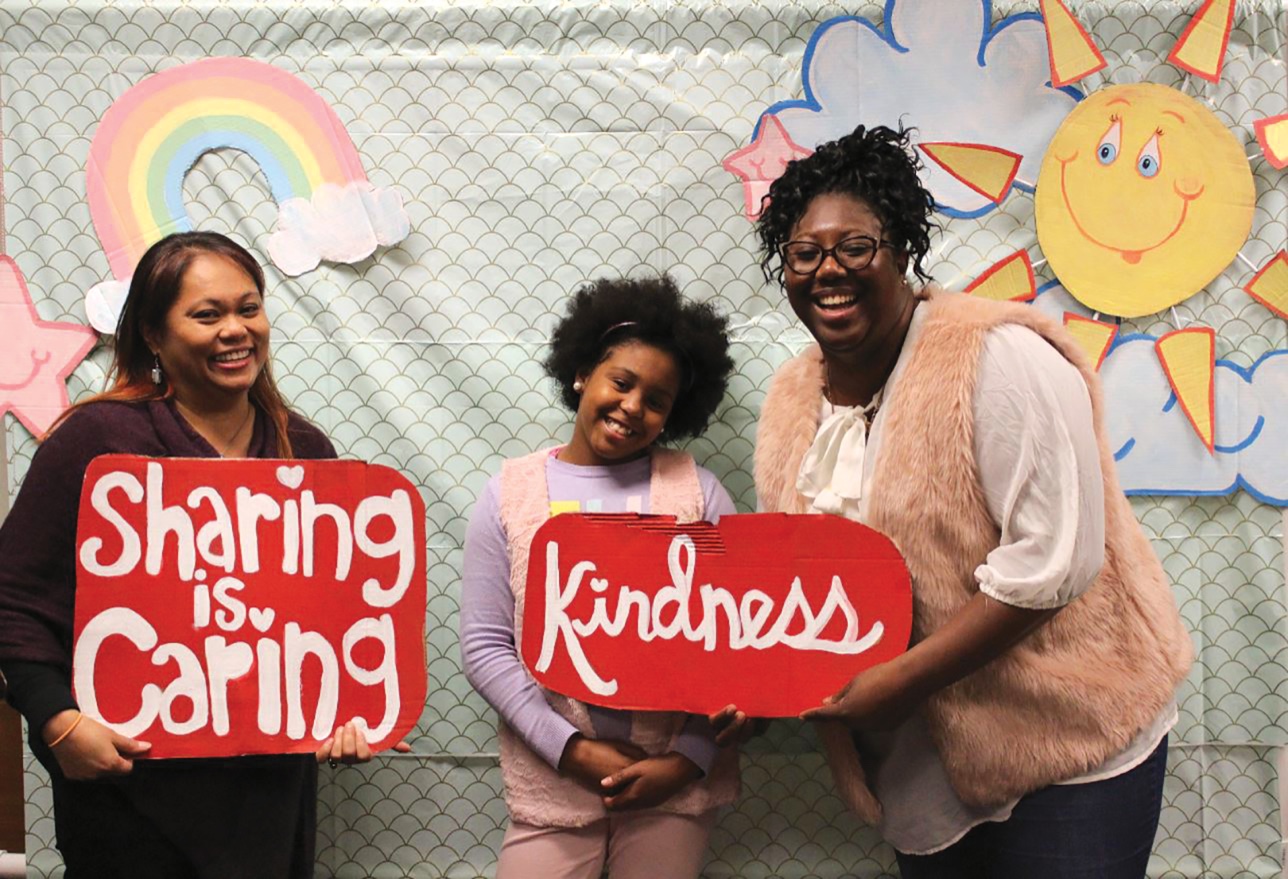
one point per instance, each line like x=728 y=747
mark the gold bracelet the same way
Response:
x=75 y=723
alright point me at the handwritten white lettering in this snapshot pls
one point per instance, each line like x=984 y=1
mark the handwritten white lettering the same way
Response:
x=751 y=621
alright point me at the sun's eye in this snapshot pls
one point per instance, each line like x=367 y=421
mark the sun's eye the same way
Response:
x=1109 y=145
x=1148 y=162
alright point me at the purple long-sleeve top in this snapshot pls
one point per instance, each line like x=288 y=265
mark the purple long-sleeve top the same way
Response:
x=491 y=659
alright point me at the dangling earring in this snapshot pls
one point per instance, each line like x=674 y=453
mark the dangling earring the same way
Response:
x=157 y=377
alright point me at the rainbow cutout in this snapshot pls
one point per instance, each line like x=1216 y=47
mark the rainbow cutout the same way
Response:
x=1201 y=47
x=1010 y=279
x=151 y=136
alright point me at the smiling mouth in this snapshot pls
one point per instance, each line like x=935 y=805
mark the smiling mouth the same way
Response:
x=1129 y=256
x=618 y=429
x=232 y=358
x=830 y=301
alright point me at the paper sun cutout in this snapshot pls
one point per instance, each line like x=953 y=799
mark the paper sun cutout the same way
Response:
x=1270 y=285
x=1072 y=54
x=1094 y=336
x=944 y=68
x=762 y=162
x=1189 y=359
x=36 y=356
x=1201 y=47
x=152 y=135
x=1008 y=279
x=1143 y=199
x=1272 y=134
x=988 y=170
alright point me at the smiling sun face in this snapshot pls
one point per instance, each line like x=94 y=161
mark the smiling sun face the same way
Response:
x=1143 y=198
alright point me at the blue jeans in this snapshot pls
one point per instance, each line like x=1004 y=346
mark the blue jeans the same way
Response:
x=1101 y=830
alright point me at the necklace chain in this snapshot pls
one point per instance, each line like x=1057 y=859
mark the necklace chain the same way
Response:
x=869 y=412
x=232 y=440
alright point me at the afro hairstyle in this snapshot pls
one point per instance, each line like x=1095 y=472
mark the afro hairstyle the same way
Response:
x=876 y=165
x=606 y=313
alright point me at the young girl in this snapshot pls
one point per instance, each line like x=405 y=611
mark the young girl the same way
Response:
x=589 y=786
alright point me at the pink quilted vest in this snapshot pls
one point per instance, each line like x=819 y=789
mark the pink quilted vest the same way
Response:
x=1077 y=690
x=535 y=792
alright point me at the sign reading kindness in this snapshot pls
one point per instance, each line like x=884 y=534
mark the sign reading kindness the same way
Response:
x=249 y=607
x=770 y=612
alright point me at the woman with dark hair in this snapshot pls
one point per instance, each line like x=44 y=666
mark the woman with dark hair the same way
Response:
x=1024 y=732
x=586 y=786
x=190 y=378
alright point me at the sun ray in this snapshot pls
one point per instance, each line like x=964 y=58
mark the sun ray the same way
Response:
x=1270 y=285
x=1189 y=359
x=1010 y=279
x=1095 y=337
x=988 y=170
x=1201 y=47
x=1272 y=134
x=1070 y=49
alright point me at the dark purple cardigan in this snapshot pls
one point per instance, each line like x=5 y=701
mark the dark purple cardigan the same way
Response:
x=247 y=816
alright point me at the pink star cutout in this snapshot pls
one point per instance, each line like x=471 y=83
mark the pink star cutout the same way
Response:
x=762 y=161
x=36 y=356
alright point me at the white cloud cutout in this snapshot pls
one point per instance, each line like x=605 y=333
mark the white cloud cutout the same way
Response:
x=338 y=224
x=1158 y=451
x=937 y=67
x=103 y=304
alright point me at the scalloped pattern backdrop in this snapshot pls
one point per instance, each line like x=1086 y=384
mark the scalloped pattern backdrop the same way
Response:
x=537 y=145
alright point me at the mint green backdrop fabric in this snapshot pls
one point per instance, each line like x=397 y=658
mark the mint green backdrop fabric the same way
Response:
x=540 y=144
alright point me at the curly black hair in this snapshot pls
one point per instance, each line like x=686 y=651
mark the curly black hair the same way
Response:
x=877 y=165
x=604 y=314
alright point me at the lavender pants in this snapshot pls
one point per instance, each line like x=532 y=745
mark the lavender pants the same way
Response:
x=633 y=845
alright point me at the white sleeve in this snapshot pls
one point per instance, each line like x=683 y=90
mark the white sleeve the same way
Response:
x=1039 y=467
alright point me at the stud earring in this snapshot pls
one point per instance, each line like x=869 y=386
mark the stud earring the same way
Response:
x=157 y=378
x=578 y=387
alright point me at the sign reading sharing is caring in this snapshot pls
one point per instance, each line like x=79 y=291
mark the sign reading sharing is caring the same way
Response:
x=249 y=607
x=770 y=611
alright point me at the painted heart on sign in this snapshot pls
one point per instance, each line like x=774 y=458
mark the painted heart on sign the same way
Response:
x=770 y=612
x=289 y=476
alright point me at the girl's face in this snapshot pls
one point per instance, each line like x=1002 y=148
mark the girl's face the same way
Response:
x=215 y=338
x=625 y=401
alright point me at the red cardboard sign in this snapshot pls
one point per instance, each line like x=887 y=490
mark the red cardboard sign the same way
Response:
x=249 y=606
x=771 y=612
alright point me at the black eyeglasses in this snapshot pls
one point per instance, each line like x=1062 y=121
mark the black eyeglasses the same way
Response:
x=855 y=253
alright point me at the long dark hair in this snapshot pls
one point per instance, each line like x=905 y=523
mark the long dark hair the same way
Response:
x=153 y=291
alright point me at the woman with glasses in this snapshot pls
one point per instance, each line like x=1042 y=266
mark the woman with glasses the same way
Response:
x=1024 y=732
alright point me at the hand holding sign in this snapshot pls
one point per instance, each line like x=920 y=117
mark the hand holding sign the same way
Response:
x=86 y=750
x=250 y=607
x=769 y=612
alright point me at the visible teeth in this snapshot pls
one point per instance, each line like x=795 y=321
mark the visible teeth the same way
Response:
x=836 y=299
x=230 y=356
x=619 y=428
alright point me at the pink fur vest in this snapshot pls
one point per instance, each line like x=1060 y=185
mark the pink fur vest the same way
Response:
x=535 y=792
x=1077 y=690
